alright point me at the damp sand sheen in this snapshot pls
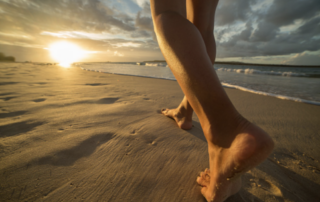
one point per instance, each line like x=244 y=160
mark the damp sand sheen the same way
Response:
x=73 y=135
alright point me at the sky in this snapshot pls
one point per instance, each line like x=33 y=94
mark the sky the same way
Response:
x=255 y=31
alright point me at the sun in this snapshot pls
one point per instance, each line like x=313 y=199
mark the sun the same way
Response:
x=66 y=53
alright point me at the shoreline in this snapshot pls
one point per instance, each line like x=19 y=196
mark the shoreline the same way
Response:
x=250 y=64
x=226 y=85
x=71 y=135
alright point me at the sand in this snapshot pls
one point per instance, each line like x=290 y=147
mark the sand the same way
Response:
x=75 y=135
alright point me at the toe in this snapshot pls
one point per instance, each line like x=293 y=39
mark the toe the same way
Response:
x=164 y=111
x=168 y=112
x=203 y=181
x=203 y=174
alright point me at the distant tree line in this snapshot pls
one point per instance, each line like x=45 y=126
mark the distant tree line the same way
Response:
x=4 y=58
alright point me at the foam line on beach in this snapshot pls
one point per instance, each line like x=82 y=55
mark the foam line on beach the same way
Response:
x=157 y=64
x=272 y=73
x=153 y=77
x=283 y=97
x=249 y=71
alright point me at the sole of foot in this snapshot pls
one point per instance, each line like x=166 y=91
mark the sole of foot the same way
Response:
x=248 y=148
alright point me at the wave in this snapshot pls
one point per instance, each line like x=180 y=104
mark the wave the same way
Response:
x=283 y=97
x=156 y=64
x=223 y=84
x=274 y=73
x=116 y=73
x=250 y=71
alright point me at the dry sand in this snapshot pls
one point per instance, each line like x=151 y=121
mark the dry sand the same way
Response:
x=74 y=135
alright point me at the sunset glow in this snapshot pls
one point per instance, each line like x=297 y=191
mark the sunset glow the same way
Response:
x=259 y=31
x=66 y=53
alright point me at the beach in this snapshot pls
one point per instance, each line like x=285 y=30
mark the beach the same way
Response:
x=72 y=135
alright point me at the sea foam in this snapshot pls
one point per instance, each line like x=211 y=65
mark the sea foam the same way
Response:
x=273 y=73
x=157 y=70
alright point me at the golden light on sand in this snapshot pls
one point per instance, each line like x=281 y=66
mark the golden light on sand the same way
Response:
x=66 y=53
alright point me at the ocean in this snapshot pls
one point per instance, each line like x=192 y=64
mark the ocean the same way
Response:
x=300 y=84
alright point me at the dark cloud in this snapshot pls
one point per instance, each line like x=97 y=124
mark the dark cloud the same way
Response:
x=265 y=31
x=269 y=36
x=23 y=24
x=311 y=27
x=244 y=28
x=285 y=12
x=304 y=58
x=246 y=34
x=34 y=16
x=230 y=11
x=141 y=33
x=144 y=22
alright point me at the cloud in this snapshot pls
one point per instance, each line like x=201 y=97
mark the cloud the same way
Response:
x=263 y=33
x=128 y=44
x=144 y=23
x=246 y=33
x=285 y=12
x=141 y=3
x=243 y=28
x=35 y=16
x=305 y=58
x=116 y=53
x=230 y=11
x=95 y=25
x=310 y=27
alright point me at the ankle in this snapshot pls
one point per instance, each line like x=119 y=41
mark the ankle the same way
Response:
x=184 y=111
x=222 y=132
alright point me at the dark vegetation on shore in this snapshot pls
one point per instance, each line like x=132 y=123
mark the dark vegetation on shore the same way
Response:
x=252 y=64
x=4 y=58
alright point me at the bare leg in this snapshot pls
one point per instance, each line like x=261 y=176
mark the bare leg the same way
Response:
x=183 y=113
x=234 y=144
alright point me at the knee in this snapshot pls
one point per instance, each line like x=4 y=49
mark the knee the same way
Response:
x=164 y=19
x=205 y=31
x=204 y=26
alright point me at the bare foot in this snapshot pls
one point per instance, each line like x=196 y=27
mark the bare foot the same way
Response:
x=182 y=114
x=182 y=119
x=249 y=147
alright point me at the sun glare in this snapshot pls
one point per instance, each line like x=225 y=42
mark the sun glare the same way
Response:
x=66 y=53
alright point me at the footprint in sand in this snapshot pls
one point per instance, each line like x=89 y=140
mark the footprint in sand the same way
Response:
x=107 y=100
x=12 y=114
x=39 y=100
x=146 y=98
x=4 y=94
x=7 y=98
x=7 y=83
x=153 y=143
x=269 y=187
x=96 y=84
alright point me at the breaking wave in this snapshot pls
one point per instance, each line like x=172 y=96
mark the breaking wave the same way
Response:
x=273 y=73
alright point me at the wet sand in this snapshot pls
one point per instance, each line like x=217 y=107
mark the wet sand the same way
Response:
x=74 y=135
